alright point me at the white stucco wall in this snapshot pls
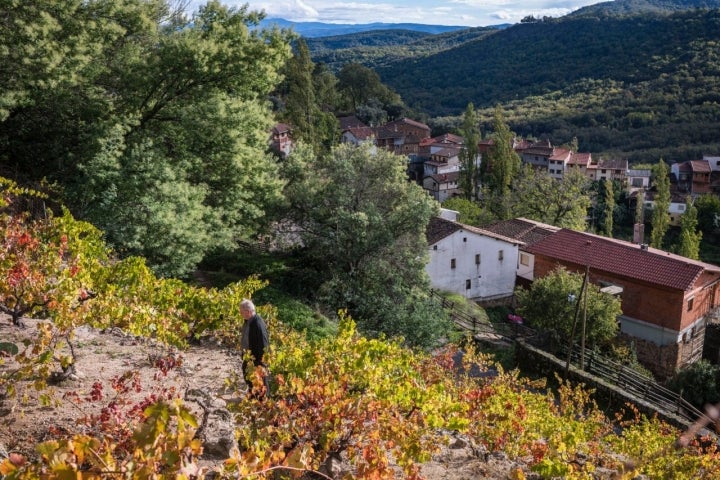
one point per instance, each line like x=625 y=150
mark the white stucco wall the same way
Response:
x=492 y=278
x=648 y=331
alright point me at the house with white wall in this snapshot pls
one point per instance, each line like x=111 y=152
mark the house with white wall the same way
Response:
x=528 y=232
x=470 y=261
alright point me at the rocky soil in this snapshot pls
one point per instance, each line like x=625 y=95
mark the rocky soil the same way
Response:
x=201 y=379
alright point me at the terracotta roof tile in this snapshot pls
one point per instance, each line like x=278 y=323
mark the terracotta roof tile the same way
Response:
x=439 y=228
x=560 y=154
x=622 y=259
x=522 y=229
x=700 y=166
x=580 y=159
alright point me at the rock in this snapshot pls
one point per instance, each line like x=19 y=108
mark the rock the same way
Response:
x=217 y=428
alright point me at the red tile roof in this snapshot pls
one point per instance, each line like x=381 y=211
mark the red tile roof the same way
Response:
x=361 y=133
x=350 y=122
x=439 y=228
x=700 y=166
x=281 y=128
x=445 y=177
x=560 y=154
x=449 y=138
x=522 y=229
x=580 y=159
x=621 y=258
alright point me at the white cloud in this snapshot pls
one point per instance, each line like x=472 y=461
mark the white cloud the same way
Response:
x=431 y=12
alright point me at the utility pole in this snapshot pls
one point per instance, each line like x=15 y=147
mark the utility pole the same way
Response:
x=584 y=323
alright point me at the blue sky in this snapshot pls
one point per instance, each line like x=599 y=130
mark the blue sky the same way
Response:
x=473 y=13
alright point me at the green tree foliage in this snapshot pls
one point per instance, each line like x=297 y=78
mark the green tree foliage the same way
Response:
x=360 y=85
x=159 y=136
x=697 y=383
x=303 y=107
x=660 y=221
x=502 y=163
x=469 y=154
x=547 y=305
x=471 y=213
x=708 y=213
x=609 y=209
x=370 y=401
x=538 y=196
x=362 y=226
x=689 y=240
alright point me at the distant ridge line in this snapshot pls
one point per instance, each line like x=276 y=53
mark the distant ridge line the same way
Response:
x=321 y=29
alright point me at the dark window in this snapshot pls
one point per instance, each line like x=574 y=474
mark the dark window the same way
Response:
x=452 y=263
x=467 y=284
x=477 y=259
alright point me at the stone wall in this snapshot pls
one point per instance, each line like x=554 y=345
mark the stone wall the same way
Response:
x=533 y=359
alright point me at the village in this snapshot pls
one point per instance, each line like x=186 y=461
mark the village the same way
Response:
x=668 y=301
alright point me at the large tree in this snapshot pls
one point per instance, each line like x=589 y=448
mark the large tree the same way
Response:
x=660 y=220
x=550 y=305
x=501 y=165
x=304 y=93
x=689 y=239
x=361 y=85
x=708 y=212
x=159 y=138
x=469 y=154
x=362 y=227
x=538 y=196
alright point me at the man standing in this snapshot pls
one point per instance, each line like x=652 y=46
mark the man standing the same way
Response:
x=255 y=340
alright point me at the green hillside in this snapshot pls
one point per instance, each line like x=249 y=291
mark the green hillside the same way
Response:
x=636 y=79
x=386 y=47
x=632 y=7
x=634 y=86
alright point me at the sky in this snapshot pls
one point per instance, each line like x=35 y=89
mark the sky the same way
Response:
x=471 y=13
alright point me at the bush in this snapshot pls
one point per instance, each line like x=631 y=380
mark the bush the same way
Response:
x=697 y=383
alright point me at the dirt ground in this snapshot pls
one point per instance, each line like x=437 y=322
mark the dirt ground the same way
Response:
x=103 y=355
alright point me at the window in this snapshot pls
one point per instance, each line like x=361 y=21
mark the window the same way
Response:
x=434 y=247
x=464 y=239
x=690 y=303
x=477 y=259
x=500 y=255
x=681 y=207
x=467 y=284
x=637 y=182
x=524 y=259
x=452 y=263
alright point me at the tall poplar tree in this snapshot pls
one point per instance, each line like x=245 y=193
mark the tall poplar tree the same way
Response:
x=609 y=208
x=469 y=168
x=302 y=109
x=660 y=221
x=689 y=240
x=502 y=166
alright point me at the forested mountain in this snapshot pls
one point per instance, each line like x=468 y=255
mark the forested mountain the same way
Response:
x=638 y=86
x=385 y=47
x=320 y=29
x=632 y=7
